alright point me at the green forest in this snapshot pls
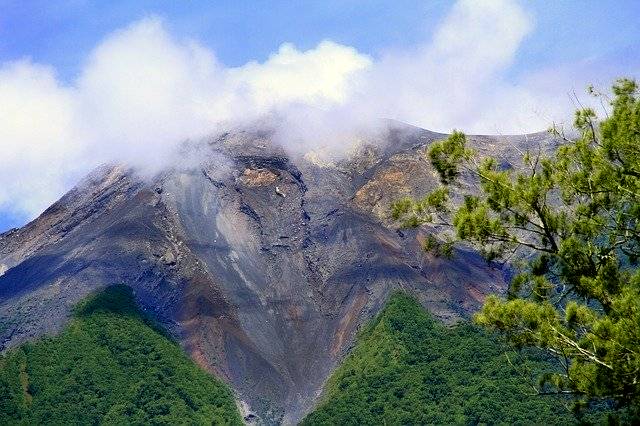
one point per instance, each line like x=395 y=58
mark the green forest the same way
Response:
x=110 y=365
x=113 y=365
x=409 y=369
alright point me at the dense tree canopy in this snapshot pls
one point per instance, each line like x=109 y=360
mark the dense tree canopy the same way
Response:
x=409 y=369
x=569 y=223
x=110 y=365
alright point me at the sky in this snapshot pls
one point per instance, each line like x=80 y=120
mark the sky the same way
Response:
x=88 y=82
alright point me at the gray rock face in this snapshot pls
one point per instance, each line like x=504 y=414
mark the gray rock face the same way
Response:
x=263 y=272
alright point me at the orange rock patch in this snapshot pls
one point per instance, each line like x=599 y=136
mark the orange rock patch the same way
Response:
x=258 y=177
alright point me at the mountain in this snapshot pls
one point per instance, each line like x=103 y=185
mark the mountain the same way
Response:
x=263 y=265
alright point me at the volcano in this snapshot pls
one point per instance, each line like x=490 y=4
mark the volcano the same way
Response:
x=262 y=265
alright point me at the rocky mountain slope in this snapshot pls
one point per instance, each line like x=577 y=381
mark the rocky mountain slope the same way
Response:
x=263 y=265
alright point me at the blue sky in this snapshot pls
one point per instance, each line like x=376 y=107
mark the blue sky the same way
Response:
x=595 y=39
x=62 y=32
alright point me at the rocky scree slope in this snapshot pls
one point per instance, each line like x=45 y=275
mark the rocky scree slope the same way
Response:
x=263 y=267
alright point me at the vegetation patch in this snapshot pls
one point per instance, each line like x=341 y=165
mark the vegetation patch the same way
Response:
x=111 y=365
x=409 y=369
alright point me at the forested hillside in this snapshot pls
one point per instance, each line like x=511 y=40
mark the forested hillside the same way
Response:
x=110 y=365
x=408 y=368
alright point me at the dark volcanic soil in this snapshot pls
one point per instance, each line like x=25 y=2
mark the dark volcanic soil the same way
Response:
x=263 y=272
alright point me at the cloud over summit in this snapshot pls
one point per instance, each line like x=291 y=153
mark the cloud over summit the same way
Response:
x=143 y=90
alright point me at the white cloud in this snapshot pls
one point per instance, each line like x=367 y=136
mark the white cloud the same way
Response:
x=451 y=80
x=323 y=77
x=38 y=147
x=142 y=91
